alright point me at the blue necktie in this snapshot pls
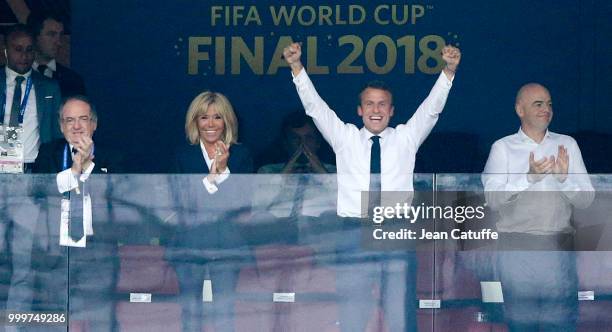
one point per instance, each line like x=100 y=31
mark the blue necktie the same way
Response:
x=76 y=215
x=75 y=229
x=16 y=106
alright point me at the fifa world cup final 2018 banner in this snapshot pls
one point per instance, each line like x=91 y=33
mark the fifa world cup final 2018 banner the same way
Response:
x=406 y=53
x=144 y=61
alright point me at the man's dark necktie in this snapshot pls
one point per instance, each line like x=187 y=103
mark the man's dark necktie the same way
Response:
x=375 y=179
x=16 y=106
x=76 y=215
x=76 y=212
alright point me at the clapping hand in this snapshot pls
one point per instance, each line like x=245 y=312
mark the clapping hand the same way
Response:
x=561 y=166
x=84 y=154
x=219 y=164
x=538 y=169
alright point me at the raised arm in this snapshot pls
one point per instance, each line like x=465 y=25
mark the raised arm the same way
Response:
x=424 y=119
x=331 y=127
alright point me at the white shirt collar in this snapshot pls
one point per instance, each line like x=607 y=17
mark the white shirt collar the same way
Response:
x=205 y=154
x=366 y=134
x=524 y=136
x=11 y=74
x=51 y=65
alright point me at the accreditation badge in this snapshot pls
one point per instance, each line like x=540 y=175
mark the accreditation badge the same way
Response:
x=11 y=149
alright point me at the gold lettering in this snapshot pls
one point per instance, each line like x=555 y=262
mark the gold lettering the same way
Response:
x=219 y=55
x=252 y=16
x=346 y=67
x=339 y=20
x=277 y=59
x=394 y=15
x=428 y=53
x=237 y=12
x=325 y=12
x=282 y=14
x=377 y=17
x=408 y=43
x=352 y=10
x=311 y=49
x=253 y=59
x=215 y=15
x=417 y=11
x=195 y=56
x=370 y=54
x=313 y=15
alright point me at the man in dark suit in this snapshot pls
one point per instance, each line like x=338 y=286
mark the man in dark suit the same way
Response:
x=48 y=30
x=92 y=269
x=38 y=110
x=79 y=121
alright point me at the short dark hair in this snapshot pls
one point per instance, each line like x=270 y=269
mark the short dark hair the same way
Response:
x=17 y=29
x=36 y=21
x=376 y=84
x=296 y=119
x=86 y=100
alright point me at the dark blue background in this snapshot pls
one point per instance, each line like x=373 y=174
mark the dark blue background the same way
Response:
x=126 y=52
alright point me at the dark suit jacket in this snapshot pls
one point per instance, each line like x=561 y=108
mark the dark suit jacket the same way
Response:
x=70 y=82
x=51 y=155
x=48 y=100
x=189 y=159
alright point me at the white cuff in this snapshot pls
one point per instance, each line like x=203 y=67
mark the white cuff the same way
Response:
x=299 y=77
x=223 y=176
x=67 y=181
x=210 y=187
x=85 y=175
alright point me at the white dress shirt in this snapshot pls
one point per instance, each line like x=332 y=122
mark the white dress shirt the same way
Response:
x=352 y=145
x=543 y=207
x=31 y=136
x=51 y=68
x=68 y=181
x=211 y=187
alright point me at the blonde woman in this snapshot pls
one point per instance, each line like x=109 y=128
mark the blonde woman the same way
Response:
x=212 y=131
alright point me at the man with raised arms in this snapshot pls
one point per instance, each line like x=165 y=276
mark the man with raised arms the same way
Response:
x=374 y=149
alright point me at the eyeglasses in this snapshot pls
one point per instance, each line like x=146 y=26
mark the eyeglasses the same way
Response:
x=72 y=121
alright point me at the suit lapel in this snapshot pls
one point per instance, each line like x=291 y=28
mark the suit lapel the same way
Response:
x=59 y=72
x=59 y=154
x=198 y=159
x=39 y=89
x=3 y=84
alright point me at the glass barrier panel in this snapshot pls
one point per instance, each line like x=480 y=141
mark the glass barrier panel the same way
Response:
x=545 y=269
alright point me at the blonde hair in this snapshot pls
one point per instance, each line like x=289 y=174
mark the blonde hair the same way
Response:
x=199 y=106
